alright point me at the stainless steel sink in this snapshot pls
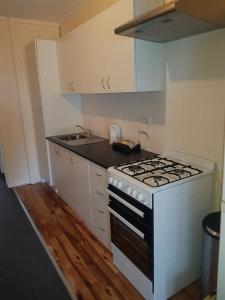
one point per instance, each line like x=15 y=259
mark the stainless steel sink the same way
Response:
x=72 y=137
x=76 y=139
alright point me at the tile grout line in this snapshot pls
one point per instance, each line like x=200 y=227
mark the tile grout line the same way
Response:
x=58 y=270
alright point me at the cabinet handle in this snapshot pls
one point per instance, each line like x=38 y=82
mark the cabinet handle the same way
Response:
x=108 y=83
x=69 y=86
x=72 y=86
x=103 y=82
x=97 y=174
x=100 y=211
x=57 y=152
x=100 y=194
x=101 y=228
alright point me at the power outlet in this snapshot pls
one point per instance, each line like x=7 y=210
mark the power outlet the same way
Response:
x=147 y=120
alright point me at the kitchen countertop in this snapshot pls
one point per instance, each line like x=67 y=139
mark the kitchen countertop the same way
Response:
x=102 y=153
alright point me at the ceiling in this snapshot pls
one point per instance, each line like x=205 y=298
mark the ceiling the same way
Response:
x=47 y=10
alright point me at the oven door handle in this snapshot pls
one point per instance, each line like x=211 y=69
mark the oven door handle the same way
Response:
x=131 y=207
x=125 y=222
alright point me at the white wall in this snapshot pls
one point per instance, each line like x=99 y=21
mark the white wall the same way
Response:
x=13 y=143
x=23 y=32
x=191 y=120
x=16 y=122
x=196 y=99
x=128 y=110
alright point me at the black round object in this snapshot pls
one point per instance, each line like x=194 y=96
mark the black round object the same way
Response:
x=211 y=224
x=135 y=168
x=179 y=171
x=157 y=178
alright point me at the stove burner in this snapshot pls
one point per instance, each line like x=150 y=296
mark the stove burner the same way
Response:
x=158 y=171
x=158 y=178
x=135 y=168
x=179 y=171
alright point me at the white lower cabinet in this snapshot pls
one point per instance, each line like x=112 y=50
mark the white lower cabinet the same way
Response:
x=70 y=176
x=59 y=167
x=99 y=200
x=82 y=185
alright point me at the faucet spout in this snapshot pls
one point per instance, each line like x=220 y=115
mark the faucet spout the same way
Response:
x=89 y=132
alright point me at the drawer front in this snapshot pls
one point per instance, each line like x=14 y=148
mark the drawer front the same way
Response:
x=99 y=197
x=103 y=236
x=100 y=211
x=98 y=175
x=101 y=221
x=99 y=192
x=102 y=228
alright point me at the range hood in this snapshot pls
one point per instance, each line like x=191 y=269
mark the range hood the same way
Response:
x=176 y=20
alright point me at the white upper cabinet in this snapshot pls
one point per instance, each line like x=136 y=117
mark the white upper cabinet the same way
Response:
x=143 y=6
x=93 y=59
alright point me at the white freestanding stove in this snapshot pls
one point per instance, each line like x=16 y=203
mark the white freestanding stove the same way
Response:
x=156 y=210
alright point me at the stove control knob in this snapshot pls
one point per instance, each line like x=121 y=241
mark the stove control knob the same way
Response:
x=115 y=182
x=140 y=197
x=129 y=190
x=134 y=194
x=120 y=185
x=111 y=180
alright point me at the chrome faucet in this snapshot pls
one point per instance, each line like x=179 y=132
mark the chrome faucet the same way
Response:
x=89 y=132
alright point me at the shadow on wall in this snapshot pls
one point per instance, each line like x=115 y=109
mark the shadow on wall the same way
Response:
x=197 y=61
x=74 y=101
x=131 y=107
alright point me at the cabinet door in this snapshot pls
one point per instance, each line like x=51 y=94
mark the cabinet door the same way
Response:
x=70 y=176
x=119 y=50
x=78 y=181
x=65 y=57
x=94 y=64
x=80 y=57
x=59 y=166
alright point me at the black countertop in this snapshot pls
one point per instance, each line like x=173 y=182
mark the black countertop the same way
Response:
x=102 y=153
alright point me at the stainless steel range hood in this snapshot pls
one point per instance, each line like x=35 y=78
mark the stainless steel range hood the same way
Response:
x=176 y=20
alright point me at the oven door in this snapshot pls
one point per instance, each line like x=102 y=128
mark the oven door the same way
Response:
x=131 y=234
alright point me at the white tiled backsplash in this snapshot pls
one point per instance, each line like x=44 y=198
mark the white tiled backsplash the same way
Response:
x=128 y=110
x=189 y=118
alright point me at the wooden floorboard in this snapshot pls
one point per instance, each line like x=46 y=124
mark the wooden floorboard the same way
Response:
x=85 y=263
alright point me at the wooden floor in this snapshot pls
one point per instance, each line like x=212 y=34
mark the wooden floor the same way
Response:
x=85 y=263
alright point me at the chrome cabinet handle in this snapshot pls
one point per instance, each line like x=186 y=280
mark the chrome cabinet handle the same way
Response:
x=57 y=152
x=100 y=194
x=100 y=211
x=103 y=82
x=97 y=174
x=72 y=86
x=101 y=228
x=71 y=160
x=108 y=83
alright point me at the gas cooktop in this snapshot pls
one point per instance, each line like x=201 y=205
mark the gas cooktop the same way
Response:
x=158 y=171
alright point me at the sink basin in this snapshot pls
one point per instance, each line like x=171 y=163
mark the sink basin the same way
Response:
x=76 y=139
x=71 y=137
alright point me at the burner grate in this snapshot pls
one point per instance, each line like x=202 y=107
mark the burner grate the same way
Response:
x=158 y=171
